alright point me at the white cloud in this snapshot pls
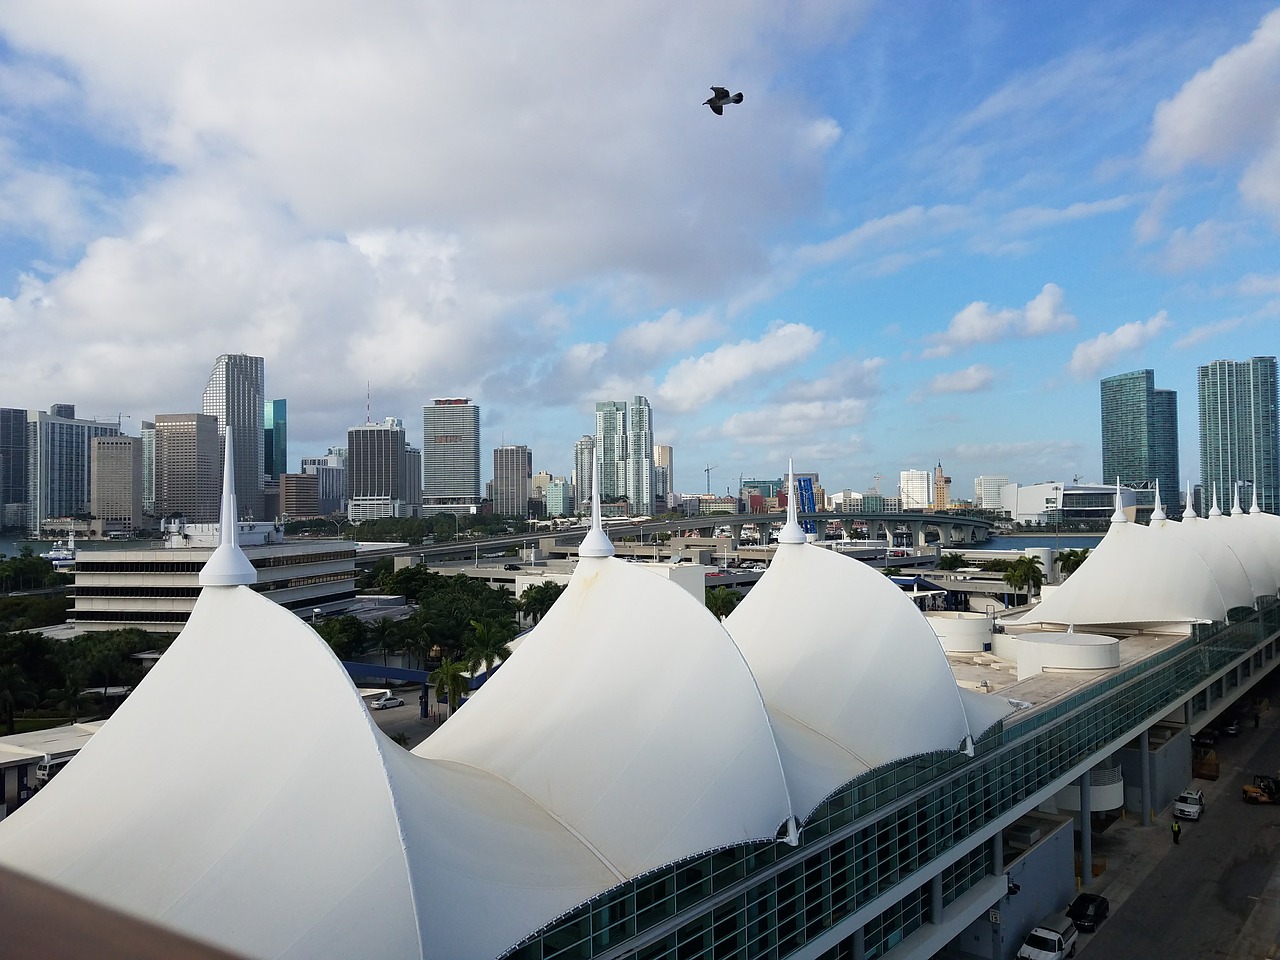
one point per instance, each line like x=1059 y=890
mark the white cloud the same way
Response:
x=1039 y=218
x=699 y=380
x=1091 y=356
x=849 y=378
x=1228 y=114
x=1255 y=285
x=1206 y=331
x=673 y=332
x=969 y=380
x=979 y=323
x=778 y=425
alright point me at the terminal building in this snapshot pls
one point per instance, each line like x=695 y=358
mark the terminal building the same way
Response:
x=155 y=589
x=818 y=776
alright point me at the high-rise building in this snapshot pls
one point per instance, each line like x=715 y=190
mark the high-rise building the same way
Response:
x=300 y=495
x=188 y=466
x=235 y=395
x=13 y=467
x=611 y=449
x=59 y=468
x=663 y=475
x=450 y=456
x=560 y=498
x=115 y=485
x=640 y=457
x=1140 y=435
x=330 y=472
x=584 y=459
x=376 y=482
x=148 y=468
x=1239 y=442
x=275 y=438
x=941 y=489
x=986 y=491
x=512 y=480
x=915 y=489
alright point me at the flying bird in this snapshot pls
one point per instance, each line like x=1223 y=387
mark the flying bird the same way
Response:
x=719 y=97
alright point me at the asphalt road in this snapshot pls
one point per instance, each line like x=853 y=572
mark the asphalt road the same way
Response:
x=1196 y=902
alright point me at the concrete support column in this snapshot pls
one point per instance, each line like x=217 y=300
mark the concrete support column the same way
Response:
x=997 y=854
x=1086 y=830
x=935 y=900
x=1144 y=755
x=917 y=533
x=859 y=945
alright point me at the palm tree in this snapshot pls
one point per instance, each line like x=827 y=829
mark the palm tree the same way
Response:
x=721 y=601
x=951 y=561
x=488 y=645
x=1069 y=561
x=70 y=696
x=538 y=599
x=1025 y=574
x=450 y=682
x=15 y=688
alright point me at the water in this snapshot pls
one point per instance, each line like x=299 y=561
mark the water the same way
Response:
x=1063 y=542
x=11 y=547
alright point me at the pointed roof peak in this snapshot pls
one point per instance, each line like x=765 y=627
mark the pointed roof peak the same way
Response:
x=228 y=567
x=1236 y=509
x=792 y=532
x=1190 y=512
x=1118 y=516
x=1256 y=508
x=596 y=543
x=1213 y=510
x=1157 y=512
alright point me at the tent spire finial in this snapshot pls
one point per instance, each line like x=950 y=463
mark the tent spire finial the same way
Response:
x=1118 y=516
x=1213 y=510
x=1236 y=509
x=596 y=543
x=1256 y=508
x=791 y=532
x=1157 y=512
x=1190 y=512
x=228 y=567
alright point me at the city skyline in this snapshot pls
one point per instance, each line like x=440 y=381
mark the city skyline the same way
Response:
x=918 y=239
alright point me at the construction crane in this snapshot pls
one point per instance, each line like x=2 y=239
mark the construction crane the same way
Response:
x=707 y=470
x=876 y=485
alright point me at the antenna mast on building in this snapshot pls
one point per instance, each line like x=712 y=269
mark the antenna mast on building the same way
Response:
x=707 y=470
x=368 y=402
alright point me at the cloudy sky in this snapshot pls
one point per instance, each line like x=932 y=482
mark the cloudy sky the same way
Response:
x=925 y=235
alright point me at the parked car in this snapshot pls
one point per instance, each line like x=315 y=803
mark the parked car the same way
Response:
x=1053 y=938
x=1088 y=910
x=1189 y=805
x=1232 y=727
x=511 y=566
x=384 y=701
x=1205 y=738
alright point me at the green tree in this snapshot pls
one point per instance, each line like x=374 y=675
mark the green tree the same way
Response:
x=1069 y=561
x=951 y=561
x=450 y=682
x=15 y=689
x=538 y=599
x=487 y=644
x=70 y=696
x=721 y=601
x=386 y=637
x=1025 y=575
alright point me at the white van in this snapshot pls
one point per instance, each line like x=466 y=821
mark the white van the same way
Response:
x=1053 y=938
x=47 y=767
x=1189 y=805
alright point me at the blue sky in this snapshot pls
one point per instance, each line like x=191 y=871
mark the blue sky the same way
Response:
x=925 y=235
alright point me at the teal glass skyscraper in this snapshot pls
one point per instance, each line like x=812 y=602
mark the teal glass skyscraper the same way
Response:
x=275 y=439
x=1140 y=435
x=1238 y=431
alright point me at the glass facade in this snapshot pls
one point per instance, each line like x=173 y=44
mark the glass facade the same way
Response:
x=1140 y=433
x=275 y=438
x=871 y=855
x=235 y=395
x=1239 y=441
x=450 y=456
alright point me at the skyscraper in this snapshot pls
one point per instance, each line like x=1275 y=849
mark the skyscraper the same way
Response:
x=915 y=488
x=986 y=491
x=450 y=456
x=13 y=467
x=235 y=396
x=115 y=485
x=584 y=459
x=275 y=439
x=1238 y=431
x=640 y=457
x=188 y=460
x=611 y=448
x=58 y=463
x=1140 y=435
x=376 y=482
x=330 y=472
x=148 y=467
x=663 y=465
x=512 y=480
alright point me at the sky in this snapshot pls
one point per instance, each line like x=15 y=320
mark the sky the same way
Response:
x=924 y=236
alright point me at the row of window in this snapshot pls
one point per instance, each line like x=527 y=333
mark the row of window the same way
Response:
x=849 y=862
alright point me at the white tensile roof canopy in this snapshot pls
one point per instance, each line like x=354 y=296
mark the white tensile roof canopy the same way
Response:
x=627 y=732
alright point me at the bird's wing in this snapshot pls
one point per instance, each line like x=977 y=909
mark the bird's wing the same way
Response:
x=720 y=92
x=716 y=108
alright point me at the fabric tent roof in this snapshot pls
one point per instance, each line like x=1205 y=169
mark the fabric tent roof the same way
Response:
x=643 y=733
x=850 y=670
